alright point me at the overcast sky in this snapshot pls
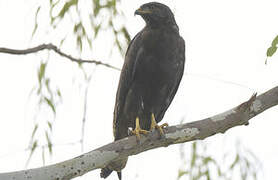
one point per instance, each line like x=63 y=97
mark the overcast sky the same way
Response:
x=226 y=43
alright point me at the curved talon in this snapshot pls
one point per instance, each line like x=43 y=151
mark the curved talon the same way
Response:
x=154 y=125
x=137 y=131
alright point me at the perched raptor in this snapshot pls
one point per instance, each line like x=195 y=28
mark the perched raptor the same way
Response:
x=150 y=76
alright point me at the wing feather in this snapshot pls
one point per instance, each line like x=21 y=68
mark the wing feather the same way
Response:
x=180 y=55
x=126 y=78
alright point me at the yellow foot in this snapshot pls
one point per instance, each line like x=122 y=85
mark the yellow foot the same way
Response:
x=154 y=125
x=137 y=131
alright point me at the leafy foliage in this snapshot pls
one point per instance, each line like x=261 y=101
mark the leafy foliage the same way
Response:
x=272 y=49
x=200 y=165
x=49 y=97
x=102 y=16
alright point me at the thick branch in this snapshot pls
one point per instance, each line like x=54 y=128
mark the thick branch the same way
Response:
x=98 y=158
x=57 y=50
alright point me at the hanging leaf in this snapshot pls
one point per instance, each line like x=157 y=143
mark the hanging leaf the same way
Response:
x=51 y=105
x=271 y=51
x=79 y=42
x=194 y=154
x=207 y=174
x=66 y=8
x=33 y=148
x=36 y=21
x=49 y=125
x=97 y=28
x=181 y=173
x=126 y=34
x=207 y=160
x=41 y=72
x=49 y=143
x=275 y=41
x=235 y=162
x=96 y=7
x=34 y=131
x=59 y=93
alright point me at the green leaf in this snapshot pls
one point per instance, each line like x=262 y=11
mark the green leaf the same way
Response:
x=79 y=42
x=219 y=171
x=243 y=175
x=126 y=34
x=76 y=27
x=52 y=18
x=206 y=160
x=51 y=105
x=97 y=7
x=49 y=125
x=254 y=174
x=34 y=131
x=34 y=146
x=47 y=80
x=50 y=148
x=271 y=50
x=66 y=7
x=59 y=93
x=62 y=41
x=119 y=45
x=41 y=72
x=97 y=28
x=275 y=41
x=194 y=154
x=36 y=21
x=182 y=173
x=235 y=162
x=49 y=143
x=89 y=41
x=83 y=30
x=207 y=174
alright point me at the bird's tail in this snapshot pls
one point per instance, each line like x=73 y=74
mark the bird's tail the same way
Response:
x=105 y=172
x=113 y=166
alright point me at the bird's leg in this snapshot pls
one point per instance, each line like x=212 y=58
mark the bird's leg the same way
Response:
x=154 y=125
x=137 y=131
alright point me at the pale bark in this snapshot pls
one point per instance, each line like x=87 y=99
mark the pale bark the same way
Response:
x=98 y=158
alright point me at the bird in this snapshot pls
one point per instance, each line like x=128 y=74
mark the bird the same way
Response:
x=150 y=76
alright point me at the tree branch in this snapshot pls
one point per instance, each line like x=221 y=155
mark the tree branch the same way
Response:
x=55 y=49
x=98 y=158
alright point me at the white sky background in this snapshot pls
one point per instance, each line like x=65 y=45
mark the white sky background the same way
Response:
x=226 y=43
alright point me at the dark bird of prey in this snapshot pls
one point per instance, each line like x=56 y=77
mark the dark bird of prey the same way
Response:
x=150 y=77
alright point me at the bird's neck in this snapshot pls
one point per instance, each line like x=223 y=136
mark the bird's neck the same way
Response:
x=167 y=27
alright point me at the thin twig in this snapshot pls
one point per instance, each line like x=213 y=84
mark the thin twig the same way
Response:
x=85 y=111
x=57 y=50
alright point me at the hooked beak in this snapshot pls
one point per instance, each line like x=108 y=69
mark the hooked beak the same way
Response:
x=140 y=11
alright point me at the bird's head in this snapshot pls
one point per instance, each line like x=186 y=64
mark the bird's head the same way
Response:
x=156 y=14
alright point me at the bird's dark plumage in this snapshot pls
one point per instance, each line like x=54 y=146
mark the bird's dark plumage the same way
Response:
x=151 y=73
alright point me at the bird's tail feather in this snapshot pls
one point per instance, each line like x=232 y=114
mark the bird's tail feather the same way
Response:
x=119 y=175
x=114 y=166
x=105 y=172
